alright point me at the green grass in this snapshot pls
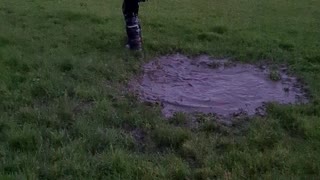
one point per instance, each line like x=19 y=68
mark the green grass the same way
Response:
x=65 y=113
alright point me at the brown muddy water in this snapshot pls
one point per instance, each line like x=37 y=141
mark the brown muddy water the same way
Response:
x=204 y=85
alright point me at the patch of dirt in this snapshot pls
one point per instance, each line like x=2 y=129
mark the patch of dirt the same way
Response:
x=221 y=87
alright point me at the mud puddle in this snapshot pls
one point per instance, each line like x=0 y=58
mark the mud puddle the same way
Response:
x=204 y=85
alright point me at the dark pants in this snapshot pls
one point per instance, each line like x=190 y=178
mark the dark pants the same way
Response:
x=130 y=8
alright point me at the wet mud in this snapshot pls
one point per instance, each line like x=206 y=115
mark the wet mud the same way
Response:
x=204 y=85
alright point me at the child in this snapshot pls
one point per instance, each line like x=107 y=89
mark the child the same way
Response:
x=130 y=9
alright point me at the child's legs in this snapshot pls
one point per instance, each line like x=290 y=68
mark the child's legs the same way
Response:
x=130 y=10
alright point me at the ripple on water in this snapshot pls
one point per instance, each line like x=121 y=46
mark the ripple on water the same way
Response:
x=205 y=85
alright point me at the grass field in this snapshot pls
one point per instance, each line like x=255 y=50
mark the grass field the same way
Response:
x=65 y=114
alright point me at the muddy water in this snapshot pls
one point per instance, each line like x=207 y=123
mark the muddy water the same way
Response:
x=205 y=85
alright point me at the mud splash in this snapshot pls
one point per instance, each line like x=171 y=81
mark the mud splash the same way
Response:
x=220 y=87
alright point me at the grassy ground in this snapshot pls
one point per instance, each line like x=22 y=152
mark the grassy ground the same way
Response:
x=64 y=113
